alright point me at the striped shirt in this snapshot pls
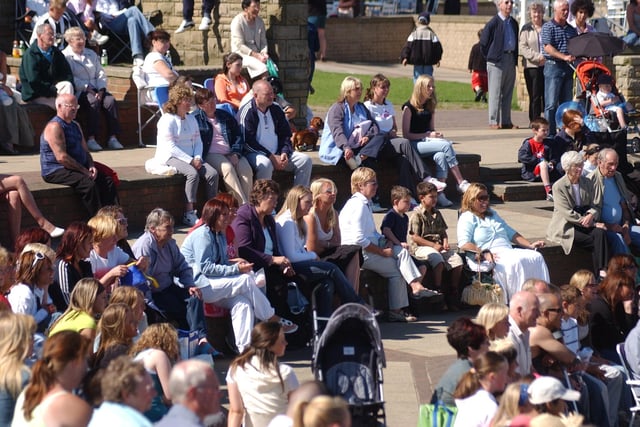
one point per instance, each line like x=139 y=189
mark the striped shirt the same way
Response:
x=557 y=36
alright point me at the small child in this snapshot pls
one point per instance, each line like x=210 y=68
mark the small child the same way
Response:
x=590 y=154
x=534 y=156
x=429 y=242
x=394 y=228
x=478 y=69
x=612 y=102
x=423 y=49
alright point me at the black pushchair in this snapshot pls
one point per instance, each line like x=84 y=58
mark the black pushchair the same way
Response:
x=348 y=358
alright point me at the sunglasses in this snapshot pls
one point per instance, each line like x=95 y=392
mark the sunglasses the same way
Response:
x=37 y=256
x=483 y=198
x=123 y=221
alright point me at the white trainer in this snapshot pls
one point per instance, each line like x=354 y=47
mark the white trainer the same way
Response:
x=184 y=26
x=93 y=145
x=440 y=186
x=100 y=39
x=205 y=24
x=463 y=186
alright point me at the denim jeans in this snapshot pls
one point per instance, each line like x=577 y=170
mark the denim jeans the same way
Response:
x=133 y=23
x=177 y=305
x=617 y=244
x=558 y=88
x=419 y=70
x=443 y=154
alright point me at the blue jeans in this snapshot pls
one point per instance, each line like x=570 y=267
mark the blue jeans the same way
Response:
x=558 y=88
x=177 y=305
x=419 y=70
x=617 y=244
x=132 y=23
x=443 y=154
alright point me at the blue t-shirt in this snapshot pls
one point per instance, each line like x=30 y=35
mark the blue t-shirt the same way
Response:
x=611 y=209
x=399 y=224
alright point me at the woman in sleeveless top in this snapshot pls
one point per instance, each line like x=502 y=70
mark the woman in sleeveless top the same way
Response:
x=633 y=20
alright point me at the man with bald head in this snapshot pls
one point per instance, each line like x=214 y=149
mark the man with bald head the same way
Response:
x=195 y=392
x=267 y=137
x=524 y=309
x=65 y=158
x=613 y=196
x=537 y=286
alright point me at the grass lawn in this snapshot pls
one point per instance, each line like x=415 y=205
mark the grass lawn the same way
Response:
x=451 y=95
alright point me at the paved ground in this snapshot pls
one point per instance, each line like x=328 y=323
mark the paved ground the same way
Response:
x=417 y=353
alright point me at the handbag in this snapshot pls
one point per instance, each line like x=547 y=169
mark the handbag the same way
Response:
x=437 y=415
x=483 y=289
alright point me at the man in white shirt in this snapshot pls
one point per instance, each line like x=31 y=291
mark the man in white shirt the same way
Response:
x=524 y=309
x=267 y=137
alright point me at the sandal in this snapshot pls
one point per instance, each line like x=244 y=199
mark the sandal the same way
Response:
x=288 y=327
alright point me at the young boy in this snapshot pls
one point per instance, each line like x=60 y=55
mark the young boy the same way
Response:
x=394 y=229
x=478 y=69
x=610 y=101
x=429 y=242
x=534 y=156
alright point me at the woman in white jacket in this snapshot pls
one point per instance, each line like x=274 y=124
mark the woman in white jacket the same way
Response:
x=180 y=146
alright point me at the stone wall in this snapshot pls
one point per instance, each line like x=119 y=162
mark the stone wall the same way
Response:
x=627 y=77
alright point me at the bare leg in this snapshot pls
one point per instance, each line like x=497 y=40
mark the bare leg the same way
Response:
x=352 y=272
x=455 y=170
x=323 y=43
x=15 y=214
x=620 y=114
x=17 y=184
x=188 y=207
x=544 y=173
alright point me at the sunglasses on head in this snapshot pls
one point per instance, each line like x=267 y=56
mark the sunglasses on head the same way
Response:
x=37 y=256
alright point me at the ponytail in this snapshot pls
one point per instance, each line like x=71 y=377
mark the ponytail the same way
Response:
x=484 y=365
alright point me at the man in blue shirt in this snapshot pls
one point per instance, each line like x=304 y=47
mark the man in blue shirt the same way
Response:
x=558 y=75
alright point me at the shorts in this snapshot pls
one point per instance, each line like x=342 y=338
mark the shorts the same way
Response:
x=319 y=21
x=450 y=258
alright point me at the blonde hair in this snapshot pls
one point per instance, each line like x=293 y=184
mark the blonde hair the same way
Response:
x=419 y=99
x=582 y=278
x=471 y=195
x=491 y=314
x=128 y=295
x=81 y=300
x=177 y=93
x=316 y=191
x=360 y=176
x=509 y=406
x=16 y=337
x=159 y=336
x=104 y=227
x=348 y=84
x=322 y=411
x=292 y=204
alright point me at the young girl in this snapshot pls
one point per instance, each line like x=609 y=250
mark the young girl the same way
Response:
x=117 y=327
x=88 y=300
x=158 y=350
x=134 y=298
x=474 y=395
x=590 y=153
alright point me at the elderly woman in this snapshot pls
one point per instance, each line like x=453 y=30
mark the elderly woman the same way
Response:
x=249 y=38
x=483 y=232
x=180 y=146
x=418 y=125
x=90 y=81
x=230 y=86
x=530 y=49
x=223 y=144
x=127 y=392
x=576 y=212
x=228 y=283
x=156 y=67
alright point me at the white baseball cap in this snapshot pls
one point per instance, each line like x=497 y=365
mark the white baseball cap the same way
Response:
x=547 y=389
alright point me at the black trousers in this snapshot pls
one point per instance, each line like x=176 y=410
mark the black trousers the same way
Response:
x=595 y=240
x=94 y=193
x=534 y=78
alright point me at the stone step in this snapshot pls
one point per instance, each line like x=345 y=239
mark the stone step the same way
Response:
x=516 y=191
x=496 y=172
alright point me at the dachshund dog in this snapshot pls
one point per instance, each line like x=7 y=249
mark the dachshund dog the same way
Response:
x=307 y=140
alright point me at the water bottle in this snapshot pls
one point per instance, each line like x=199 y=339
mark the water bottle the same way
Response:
x=104 y=58
x=23 y=47
x=15 y=52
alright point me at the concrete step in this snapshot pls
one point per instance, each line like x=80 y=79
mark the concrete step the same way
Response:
x=496 y=172
x=512 y=191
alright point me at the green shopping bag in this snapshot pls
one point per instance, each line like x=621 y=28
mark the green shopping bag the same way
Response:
x=436 y=415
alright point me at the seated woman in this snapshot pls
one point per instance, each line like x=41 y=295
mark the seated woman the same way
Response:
x=249 y=38
x=180 y=146
x=90 y=81
x=322 y=411
x=418 y=125
x=71 y=262
x=291 y=231
x=230 y=86
x=117 y=213
x=323 y=232
x=15 y=191
x=351 y=132
x=30 y=295
x=88 y=301
x=259 y=386
x=494 y=317
x=632 y=18
x=14 y=121
x=116 y=328
x=482 y=231
x=49 y=398
x=576 y=213
x=222 y=145
x=227 y=282
x=134 y=298
x=158 y=70
x=157 y=349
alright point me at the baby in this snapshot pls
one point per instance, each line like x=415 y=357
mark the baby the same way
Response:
x=610 y=101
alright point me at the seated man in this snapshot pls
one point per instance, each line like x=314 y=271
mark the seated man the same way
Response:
x=44 y=71
x=65 y=158
x=249 y=38
x=180 y=303
x=267 y=137
x=126 y=22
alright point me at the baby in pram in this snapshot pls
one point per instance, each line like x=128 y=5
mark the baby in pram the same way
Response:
x=612 y=102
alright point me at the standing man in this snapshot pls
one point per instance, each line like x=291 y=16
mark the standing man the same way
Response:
x=65 y=158
x=524 y=309
x=558 y=75
x=267 y=137
x=499 y=44
x=195 y=392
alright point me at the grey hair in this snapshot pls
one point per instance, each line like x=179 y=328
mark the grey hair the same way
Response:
x=157 y=217
x=186 y=375
x=40 y=28
x=571 y=158
x=602 y=154
x=558 y=3
x=72 y=33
